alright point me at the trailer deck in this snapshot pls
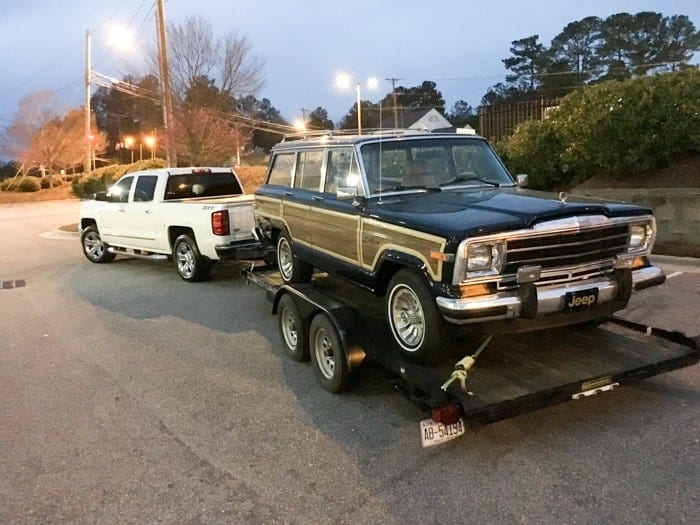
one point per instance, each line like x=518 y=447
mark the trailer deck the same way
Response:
x=515 y=373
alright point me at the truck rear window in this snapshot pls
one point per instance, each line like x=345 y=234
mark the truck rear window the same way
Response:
x=214 y=184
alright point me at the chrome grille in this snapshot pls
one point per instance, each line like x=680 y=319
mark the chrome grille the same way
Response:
x=566 y=248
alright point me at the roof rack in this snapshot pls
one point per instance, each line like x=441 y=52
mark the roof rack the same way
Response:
x=331 y=133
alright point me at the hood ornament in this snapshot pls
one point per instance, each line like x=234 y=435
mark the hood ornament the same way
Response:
x=563 y=196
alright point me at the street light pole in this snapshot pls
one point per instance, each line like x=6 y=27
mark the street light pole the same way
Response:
x=170 y=153
x=359 y=109
x=88 y=73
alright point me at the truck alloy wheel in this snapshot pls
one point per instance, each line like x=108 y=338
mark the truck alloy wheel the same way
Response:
x=190 y=264
x=94 y=249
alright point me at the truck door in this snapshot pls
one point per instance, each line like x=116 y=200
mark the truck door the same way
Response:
x=143 y=227
x=112 y=220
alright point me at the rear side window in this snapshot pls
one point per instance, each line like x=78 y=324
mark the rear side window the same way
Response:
x=145 y=188
x=308 y=174
x=281 y=170
x=202 y=184
x=342 y=170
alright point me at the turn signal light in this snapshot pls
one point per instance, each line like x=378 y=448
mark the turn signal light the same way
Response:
x=220 y=223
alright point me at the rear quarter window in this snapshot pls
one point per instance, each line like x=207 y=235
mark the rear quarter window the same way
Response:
x=281 y=169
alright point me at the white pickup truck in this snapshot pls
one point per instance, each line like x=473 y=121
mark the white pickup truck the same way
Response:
x=195 y=215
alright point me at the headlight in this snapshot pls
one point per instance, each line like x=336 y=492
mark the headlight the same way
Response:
x=485 y=257
x=640 y=236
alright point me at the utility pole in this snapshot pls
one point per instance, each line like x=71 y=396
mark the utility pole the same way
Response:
x=393 y=96
x=88 y=148
x=170 y=156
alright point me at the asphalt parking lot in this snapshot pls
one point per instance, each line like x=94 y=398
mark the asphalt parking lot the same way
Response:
x=128 y=395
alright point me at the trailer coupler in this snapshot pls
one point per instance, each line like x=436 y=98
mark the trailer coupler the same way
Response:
x=461 y=368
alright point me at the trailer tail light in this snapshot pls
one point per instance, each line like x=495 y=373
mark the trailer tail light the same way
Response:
x=220 y=223
x=446 y=414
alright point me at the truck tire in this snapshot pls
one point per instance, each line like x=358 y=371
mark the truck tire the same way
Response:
x=416 y=324
x=292 y=269
x=94 y=248
x=292 y=330
x=328 y=355
x=190 y=264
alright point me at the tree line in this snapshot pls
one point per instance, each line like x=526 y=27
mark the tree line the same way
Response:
x=218 y=115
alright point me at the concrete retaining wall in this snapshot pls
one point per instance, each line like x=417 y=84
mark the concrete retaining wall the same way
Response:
x=677 y=210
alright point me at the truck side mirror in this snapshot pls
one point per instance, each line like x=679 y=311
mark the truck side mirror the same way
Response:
x=100 y=196
x=521 y=180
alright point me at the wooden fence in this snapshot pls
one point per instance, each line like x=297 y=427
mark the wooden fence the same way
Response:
x=499 y=121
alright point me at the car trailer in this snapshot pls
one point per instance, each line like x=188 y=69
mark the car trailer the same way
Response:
x=340 y=326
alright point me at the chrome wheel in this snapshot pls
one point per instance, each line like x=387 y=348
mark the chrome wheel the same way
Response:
x=285 y=259
x=94 y=247
x=186 y=261
x=324 y=353
x=407 y=317
x=289 y=328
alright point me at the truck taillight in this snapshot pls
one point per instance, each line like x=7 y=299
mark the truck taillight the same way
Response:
x=220 y=223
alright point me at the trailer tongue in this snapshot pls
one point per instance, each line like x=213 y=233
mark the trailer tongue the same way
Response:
x=485 y=380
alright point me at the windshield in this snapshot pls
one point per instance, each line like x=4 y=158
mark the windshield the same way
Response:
x=431 y=163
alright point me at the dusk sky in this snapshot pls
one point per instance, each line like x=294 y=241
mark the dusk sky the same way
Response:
x=458 y=44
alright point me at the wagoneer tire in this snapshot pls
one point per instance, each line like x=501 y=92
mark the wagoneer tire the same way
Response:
x=328 y=355
x=94 y=249
x=417 y=326
x=292 y=269
x=292 y=330
x=190 y=264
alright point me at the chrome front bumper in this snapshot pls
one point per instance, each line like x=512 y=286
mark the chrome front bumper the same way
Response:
x=549 y=298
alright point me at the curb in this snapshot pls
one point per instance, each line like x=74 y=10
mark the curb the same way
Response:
x=676 y=261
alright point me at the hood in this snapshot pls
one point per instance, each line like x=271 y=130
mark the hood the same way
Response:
x=464 y=212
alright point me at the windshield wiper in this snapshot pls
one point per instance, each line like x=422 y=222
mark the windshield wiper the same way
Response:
x=462 y=178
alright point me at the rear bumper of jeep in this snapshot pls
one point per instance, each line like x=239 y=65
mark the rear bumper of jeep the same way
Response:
x=563 y=303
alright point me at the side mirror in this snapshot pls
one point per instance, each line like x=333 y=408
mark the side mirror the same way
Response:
x=521 y=180
x=100 y=196
x=346 y=194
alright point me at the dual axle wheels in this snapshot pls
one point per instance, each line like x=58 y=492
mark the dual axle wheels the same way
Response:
x=318 y=339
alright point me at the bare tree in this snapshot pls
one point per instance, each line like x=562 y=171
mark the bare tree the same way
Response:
x=35 y=110
x=195 y=52
x=241 y=72
x=59 y=144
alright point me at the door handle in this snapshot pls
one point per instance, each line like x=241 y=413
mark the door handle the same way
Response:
x=288 y=193
x=148 y=211
x=121 y=210
x=318 y=198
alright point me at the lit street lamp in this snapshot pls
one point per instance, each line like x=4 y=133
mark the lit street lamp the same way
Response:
x=343 y=81
x=120 y=38
x=129 y=142
x=150 y=141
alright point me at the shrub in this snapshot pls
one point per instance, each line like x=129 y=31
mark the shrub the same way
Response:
x=84 y=186
x=10 y=184
x=45 y=182
x=28 y=185
x=614 y=128
x=535 y=149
